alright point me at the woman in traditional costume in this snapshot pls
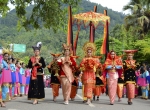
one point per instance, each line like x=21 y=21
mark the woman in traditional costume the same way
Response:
x=145 y=88
x=88 y=65
x=129 y=74
x=137 y=73
x=6 y=75
x=54 y=69
x=1 y=101
x=23 y=81
x=120 y=85
x=66 y=75
x=74 y=86
x=17 y=85
x=112 y=67
x=13 y=77
x=100 y=80
x=27 y=75
x=36 y=86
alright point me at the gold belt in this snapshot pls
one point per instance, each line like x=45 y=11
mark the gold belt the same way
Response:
x=39 y=73
x=112 y=70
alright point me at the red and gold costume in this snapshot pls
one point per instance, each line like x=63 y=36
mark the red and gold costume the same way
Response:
x=66 y=73
x=54 y=69
x=129 y=75
x=112 y=67
x=74 y=86
x=88 y=66
x=100 y=80
x=120 y=84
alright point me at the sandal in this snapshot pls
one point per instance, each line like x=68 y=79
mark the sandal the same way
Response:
x=35 y=102
x=97 y=98
x=94 y=98
x=3 y=105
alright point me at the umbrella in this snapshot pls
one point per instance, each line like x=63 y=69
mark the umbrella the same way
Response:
x=86 y=18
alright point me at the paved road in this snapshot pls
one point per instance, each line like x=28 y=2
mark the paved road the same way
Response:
x=21 y=103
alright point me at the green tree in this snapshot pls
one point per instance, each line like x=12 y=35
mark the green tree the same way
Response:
x=139 y=17
x=143 y=50
x=52 y=13
x=115 y=45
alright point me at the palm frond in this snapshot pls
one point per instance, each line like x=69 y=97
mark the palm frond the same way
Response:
x=147 y=13
x=133 y=2
x=129 y=17
x=136 y=8
x=127 y=7
x=143 y=19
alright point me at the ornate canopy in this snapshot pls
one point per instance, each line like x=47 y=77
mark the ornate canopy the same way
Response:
x=86 y=18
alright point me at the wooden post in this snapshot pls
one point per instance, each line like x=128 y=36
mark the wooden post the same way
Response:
x=70 y=32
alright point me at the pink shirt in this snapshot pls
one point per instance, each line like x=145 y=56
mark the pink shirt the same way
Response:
x=17 y=76
x=137 y=73
x=27 y=72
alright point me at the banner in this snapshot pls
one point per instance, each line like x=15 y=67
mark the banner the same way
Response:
x=19 y=48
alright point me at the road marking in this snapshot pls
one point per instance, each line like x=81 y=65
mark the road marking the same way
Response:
x=12 y=109
x=91 y=105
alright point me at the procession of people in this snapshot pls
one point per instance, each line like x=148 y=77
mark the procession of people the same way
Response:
x=14 y=78
x=120 y=77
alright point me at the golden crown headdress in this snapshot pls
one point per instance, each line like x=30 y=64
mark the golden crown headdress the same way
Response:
x=21 y=61
x=130 y=51
x=89 y=46
x=6 y=51
x=67 y=47
x=56 y=55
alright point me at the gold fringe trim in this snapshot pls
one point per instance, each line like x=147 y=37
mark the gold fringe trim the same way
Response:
x=130 y=82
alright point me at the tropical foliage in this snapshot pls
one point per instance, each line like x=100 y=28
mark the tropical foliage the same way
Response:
x=139 y=17
x=47 y=13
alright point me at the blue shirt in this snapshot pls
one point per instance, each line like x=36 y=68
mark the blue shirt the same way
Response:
x=22 y=72
x=145 y=74
x=13 y=67
x=4 y=65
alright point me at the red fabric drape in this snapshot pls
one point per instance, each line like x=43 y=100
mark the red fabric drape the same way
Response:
x=34 y=69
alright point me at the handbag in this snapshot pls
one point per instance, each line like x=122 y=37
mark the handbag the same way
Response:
x=141 y=81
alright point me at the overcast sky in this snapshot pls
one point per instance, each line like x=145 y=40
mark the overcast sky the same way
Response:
x=115 y=5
